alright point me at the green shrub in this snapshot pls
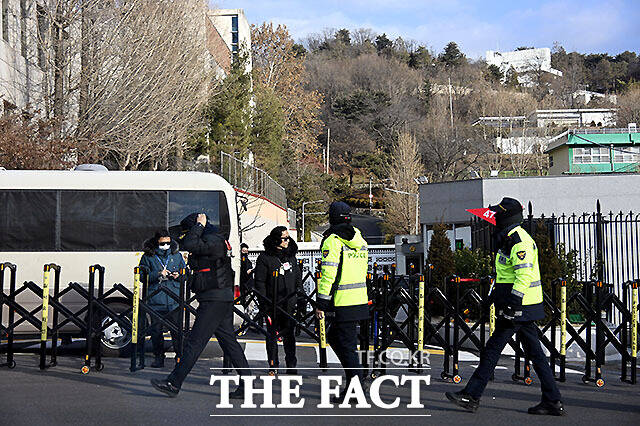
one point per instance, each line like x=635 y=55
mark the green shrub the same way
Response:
x=472 y=263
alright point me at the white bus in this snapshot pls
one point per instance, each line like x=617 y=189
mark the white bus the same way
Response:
x=80 y=218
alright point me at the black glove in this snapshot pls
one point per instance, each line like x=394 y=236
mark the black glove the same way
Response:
x=513 y=309
x=488 y=301
x=324 y=305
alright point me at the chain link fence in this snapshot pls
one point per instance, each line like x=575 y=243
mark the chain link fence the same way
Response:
x=250 y=179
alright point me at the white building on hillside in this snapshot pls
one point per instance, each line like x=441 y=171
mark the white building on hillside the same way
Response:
x=523 y=62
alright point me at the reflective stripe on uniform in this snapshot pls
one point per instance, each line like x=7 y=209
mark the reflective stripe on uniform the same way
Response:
x=535 y=283
x=324 y=296
x=523 y=265
x=517 y=293
x=330 y=264
x=351 y=286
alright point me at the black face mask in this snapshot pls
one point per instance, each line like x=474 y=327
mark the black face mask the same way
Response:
x=505 y=222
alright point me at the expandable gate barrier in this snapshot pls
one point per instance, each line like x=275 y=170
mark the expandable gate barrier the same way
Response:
x=418 y=298
x=85 y=318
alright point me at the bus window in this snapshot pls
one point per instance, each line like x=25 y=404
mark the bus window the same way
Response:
x=212 y=203
x=110 y=220
x=28 y=220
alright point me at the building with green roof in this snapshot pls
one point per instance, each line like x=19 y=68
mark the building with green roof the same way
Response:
x=599 y=150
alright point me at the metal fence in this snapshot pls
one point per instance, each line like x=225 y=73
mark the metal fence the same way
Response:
x=605 y=245
x=383 y=255
x=250 y=179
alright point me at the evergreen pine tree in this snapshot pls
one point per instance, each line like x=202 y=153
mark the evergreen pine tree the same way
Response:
x=228 y=114
x=440 y=256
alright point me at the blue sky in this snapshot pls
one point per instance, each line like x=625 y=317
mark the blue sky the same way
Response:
x=586 y=26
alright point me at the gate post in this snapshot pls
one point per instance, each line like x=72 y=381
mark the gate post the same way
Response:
x=134 y=318
x=563 y=329
x=45 y=316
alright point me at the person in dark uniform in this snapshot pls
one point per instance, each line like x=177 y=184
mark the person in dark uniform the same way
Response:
x=342 y=288
x=517 y=296
x=212 y=282
x=246 y=273
x=279 y=256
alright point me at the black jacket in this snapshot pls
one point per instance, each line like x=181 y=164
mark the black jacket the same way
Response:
x=288 y=282
x=245 y=265
x=208 y=250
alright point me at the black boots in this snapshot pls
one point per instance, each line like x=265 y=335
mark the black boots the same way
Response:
x=464 y=400
x=239 y=392
x=165 y=387
x=548 y=409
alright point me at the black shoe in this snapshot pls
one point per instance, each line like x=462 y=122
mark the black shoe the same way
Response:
x=463 y=400
x=548 y=409
x=158 y=362
x=292 y=370
x=165 y=387
x=238 y=393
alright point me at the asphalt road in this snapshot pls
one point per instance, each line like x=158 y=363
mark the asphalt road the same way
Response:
x=62 y=395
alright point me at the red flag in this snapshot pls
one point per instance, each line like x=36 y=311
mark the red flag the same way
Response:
x=484 y=214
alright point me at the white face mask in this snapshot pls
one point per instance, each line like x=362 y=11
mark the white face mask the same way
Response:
x=164 y=247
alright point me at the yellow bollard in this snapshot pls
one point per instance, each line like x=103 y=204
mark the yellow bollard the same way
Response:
x=420 y=317
x=563 y=318
x=492 y=319
x=45 y=303
x=634 y=319
x=323 y=334
x=136 y=305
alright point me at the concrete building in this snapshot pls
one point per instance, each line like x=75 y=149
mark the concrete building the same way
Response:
x=596 y=117
x=21 y=59
x=523 y=62
x=586 y=96
x=446 y=202
x=233 y=29
x=594 y=151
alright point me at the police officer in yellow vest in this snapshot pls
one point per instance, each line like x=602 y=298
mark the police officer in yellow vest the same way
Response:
x=342 y=288
x=517 y=296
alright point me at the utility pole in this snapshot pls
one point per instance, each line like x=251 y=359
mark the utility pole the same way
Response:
x=450 y=103
x=328 y=139
x=370 y=196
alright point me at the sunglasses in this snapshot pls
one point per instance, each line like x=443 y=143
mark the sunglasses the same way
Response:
x=285 y=238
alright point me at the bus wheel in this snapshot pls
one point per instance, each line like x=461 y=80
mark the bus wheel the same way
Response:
x=115 y=340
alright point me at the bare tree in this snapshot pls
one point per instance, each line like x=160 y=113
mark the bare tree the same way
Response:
x=629 y=106
x=128 y=75
x=405 y=166
x=448 y=151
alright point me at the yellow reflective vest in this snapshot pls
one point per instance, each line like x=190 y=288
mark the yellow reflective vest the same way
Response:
x=518 y=274
x=344 y=271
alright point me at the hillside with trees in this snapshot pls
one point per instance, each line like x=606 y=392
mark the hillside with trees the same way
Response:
x=389 y=110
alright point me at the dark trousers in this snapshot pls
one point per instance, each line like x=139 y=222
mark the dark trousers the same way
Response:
x=343 y=339
x=528 y=334
x=285 y=328
x=222 y=333
x=211 y=318
x=157 y=329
